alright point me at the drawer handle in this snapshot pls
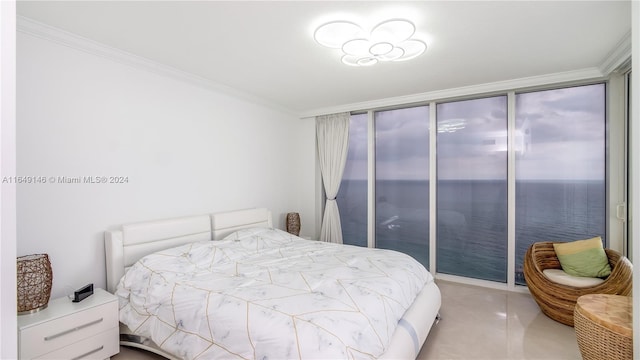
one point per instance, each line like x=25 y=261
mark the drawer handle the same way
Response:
x=47 y=338
x=88 y=353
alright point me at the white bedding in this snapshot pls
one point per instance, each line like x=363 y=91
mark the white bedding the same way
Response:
x=265 y=294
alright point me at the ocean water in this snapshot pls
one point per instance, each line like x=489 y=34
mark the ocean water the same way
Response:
x=471 y=229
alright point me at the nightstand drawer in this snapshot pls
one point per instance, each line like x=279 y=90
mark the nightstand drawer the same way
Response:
x=58 y=333
x=100 y=346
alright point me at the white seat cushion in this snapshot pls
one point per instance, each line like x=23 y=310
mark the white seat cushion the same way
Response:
x=561 y=277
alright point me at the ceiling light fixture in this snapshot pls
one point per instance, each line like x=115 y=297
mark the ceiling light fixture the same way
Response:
x=390 y=40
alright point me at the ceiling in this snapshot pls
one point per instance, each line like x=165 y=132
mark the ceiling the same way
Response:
x=266 y=49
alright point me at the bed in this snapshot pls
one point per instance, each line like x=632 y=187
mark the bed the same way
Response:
x=229 y=285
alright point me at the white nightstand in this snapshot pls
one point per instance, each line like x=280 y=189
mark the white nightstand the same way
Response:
x=67 y=330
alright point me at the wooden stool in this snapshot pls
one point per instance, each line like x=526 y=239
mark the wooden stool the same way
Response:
x=603 y=326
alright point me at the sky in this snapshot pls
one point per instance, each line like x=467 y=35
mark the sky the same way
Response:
x=560 y=135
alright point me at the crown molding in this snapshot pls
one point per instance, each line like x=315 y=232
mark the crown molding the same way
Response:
x=618 y=58
x=43 y=31
x=568 y=77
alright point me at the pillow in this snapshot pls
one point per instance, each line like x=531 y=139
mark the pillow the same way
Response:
x=245 y=233
x=561 y=277
x=583 y=258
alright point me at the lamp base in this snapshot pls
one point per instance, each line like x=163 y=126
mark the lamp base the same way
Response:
x=293 y=223
x=33 y=311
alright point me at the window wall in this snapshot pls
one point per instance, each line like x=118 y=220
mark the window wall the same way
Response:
x=402 y=181
x=508 y=170
x=560 y=172
x=472 y=188
x=352 y=196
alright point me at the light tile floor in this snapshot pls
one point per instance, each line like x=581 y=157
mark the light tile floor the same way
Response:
x=479 y=323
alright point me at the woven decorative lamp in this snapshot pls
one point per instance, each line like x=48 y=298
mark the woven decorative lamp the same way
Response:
x=34 y=283
x=293 y=223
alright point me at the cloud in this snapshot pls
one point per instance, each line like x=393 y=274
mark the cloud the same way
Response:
x=563 y=115
x=358 y=132
x=563 y=131
x=582 y=99
x=402 y=134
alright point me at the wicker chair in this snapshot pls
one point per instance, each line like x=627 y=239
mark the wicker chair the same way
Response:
x=558 y=301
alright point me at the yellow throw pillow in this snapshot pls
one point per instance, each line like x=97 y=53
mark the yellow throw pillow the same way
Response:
x=583 y=258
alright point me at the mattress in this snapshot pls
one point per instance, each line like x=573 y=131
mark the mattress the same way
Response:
x=264 y=293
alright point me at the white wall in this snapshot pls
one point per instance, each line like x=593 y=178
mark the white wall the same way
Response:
x=185 y=150
x=309 y=180
x=8 y=321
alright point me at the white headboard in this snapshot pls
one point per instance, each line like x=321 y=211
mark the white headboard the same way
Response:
x=223 y=224
x=125 y=246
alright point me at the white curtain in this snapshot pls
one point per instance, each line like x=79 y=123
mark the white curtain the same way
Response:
x=332 y=134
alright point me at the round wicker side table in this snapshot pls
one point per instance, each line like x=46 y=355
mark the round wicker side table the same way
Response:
x=603 y=326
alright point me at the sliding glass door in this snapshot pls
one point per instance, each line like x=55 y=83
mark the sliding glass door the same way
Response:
x=560 y=174
x=352 y=197
x=472 y=188
x=402 y=181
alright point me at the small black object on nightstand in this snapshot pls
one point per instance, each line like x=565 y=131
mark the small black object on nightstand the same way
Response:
x=82 y=293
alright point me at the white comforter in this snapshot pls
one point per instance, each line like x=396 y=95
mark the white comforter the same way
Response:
x=266 y=294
